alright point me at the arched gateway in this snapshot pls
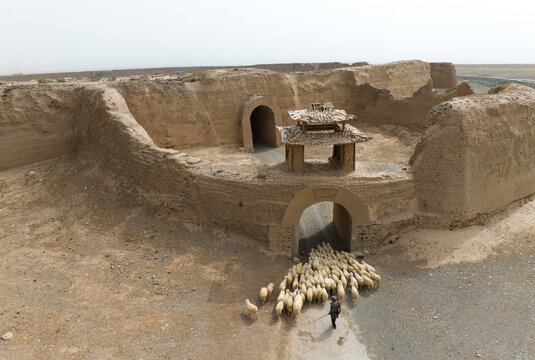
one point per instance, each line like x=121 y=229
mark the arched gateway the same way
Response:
x=260 y=115
x=285 y=237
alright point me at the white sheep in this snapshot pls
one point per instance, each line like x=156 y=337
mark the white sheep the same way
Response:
x=281 y=296
x=327 y=272
x=354 y=293
x=297 y=305
x=360 y=280
x=282 y=286
x=368 y=282
x=263 y=295
x=335 y=278
x=330 y=284
x=289 y=278
x=324 y=295
x=344 y=282
x=252 y=310
x=376 y=278
x=327 y=284
x=347 y=275
x=289 y=303
x=279 y=308
x=270 y=289
x=341 y=292
x=368 y=267
x=295 y=283
x=310 y=295
x=286 y=297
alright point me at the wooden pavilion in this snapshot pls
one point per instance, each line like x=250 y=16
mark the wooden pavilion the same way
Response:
x=320 y=124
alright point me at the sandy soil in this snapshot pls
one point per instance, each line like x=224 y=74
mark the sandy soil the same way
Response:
x=84 y=277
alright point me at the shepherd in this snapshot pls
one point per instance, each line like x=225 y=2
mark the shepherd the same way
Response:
x=335 y=310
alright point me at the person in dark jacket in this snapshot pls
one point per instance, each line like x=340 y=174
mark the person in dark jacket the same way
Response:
x=335 y=310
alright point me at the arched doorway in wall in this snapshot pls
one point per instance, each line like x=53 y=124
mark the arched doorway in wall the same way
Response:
x=259 y=117
x=263 y=129
x=327 y=222
x=348 y=211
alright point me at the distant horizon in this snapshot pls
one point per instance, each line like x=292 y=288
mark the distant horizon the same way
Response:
x=245 y=65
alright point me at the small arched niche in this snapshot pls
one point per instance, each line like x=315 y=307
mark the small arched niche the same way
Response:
x=263 y=129
x=260 y=115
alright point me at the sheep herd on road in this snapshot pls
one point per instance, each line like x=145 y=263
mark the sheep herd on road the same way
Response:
x=328 y=272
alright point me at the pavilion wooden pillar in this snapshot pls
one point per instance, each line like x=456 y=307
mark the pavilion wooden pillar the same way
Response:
x=295 y=157
x=344 y=156
x=347 y=158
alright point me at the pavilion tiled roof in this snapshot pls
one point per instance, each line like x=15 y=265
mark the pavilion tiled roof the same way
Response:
x=320 y=117
x=293 y=135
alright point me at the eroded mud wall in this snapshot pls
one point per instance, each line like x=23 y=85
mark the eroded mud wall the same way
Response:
x=478 y=156
x=173 y=184
x=176 y=185
x=402 y=78
x=141 y=173
x=36 y=123
x=207 y=112
x=380 y=106
x=444 y=75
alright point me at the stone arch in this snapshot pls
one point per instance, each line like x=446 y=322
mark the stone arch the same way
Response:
x=285 y=237
x=248 y=107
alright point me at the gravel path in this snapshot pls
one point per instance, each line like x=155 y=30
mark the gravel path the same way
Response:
x=484 y=309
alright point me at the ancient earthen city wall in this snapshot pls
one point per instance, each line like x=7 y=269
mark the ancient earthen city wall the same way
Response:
x=174 y=184
x=475 y=158
x=380 y=106
x=36 y=123
x=478 y=156
x=208 y=112
x=443 y=74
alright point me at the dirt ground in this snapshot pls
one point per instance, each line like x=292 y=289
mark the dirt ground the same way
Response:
x=85 y=277
x=390 y=144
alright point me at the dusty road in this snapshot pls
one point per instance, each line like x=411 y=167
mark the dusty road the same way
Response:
x=84 y=277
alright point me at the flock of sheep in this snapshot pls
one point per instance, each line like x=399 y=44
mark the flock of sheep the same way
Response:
x=328 y=272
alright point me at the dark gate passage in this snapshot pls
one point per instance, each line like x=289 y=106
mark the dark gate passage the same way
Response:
x=324 y=222
x=263 y=126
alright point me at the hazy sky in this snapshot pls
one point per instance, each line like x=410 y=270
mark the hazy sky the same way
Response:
x=74 y=35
